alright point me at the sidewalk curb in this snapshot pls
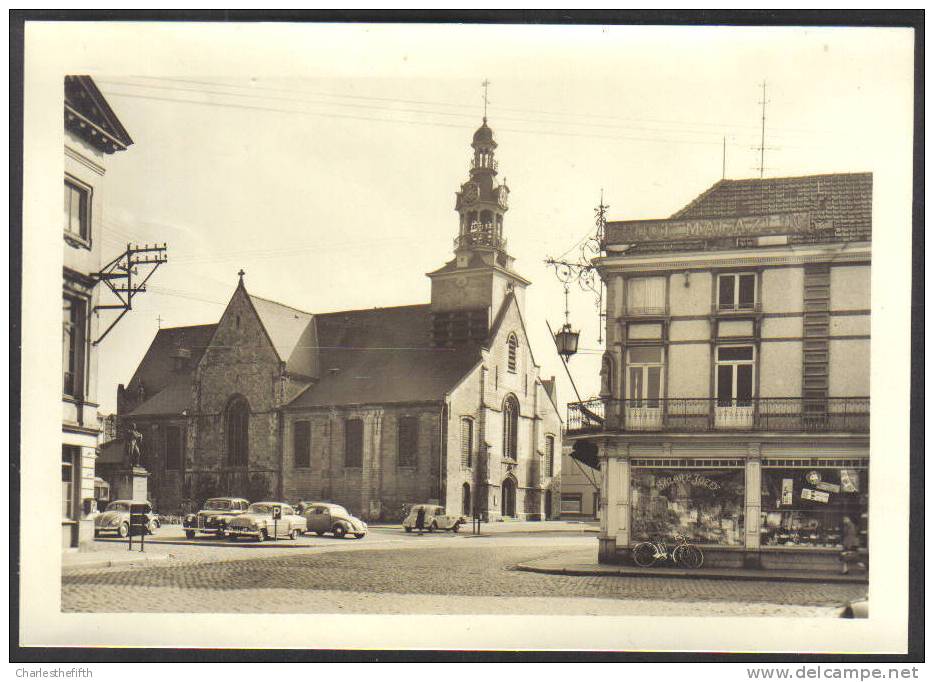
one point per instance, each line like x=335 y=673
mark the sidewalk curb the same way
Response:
x=108 y=563
x=633 y=572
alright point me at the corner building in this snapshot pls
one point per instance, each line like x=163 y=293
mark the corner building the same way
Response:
x=374 y=409
x=734 y=403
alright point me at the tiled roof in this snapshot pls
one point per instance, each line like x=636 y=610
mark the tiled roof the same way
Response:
x=383 y=355
x=845 y=199
x=284 y=325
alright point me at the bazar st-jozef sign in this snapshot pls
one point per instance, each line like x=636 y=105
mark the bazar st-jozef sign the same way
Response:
x=638 y=231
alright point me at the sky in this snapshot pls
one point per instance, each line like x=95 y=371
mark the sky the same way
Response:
x=323 y=160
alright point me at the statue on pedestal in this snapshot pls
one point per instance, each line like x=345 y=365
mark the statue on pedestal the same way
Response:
x=134 y=457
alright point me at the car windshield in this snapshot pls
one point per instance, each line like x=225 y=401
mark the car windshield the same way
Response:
x=260 y=508
x=217 y=504
x=118 y=506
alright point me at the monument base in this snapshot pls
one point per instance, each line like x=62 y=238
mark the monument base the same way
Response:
x=132 y=484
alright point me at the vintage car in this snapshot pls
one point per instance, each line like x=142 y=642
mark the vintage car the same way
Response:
x=435 y=519
x=259 y=522
x=214 y=517
x=116 y=519
x=324 y=517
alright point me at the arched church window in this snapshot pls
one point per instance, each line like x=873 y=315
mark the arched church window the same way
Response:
x=511 y=428
x=513 y=353
x=237 y=418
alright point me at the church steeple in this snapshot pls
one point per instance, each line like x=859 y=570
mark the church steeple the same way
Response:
x=481 y=204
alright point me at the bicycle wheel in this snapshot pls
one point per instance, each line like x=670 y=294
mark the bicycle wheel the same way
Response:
x=643 y=554
x=676 y=555
x=691 y=557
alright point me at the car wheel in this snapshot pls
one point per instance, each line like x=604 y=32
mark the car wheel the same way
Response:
x=339 y=531
x=293 y=534
x=263 y=535
x=319 y=532
x=433 y=527
x=97 y=533
x=359 y=535
x=407 y=529
x=190 y=534
x=456 y=527
x=123 y=530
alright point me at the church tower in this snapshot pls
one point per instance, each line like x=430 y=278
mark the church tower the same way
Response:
x=469 y=290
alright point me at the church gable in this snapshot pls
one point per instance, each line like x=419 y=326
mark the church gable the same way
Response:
x=510 y=354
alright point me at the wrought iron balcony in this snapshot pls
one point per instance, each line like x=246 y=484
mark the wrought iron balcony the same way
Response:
x=481 y=234
x=736 y=308
x=693 y=415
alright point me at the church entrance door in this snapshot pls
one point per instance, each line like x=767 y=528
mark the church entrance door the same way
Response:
x=509 y=497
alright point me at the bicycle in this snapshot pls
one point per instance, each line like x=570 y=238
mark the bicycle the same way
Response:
x=646 y=554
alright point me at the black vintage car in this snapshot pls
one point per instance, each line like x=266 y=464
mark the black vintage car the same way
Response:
x=213 y=519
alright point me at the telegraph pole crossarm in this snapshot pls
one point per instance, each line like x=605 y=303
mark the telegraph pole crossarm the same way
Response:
x=124 y=267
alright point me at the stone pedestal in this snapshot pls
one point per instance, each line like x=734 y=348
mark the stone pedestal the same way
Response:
x=131 y=484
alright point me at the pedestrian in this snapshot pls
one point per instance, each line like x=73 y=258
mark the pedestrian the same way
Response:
x=420 y=520
x=850 y=551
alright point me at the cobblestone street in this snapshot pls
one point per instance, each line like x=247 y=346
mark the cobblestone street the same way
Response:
x=444 y=575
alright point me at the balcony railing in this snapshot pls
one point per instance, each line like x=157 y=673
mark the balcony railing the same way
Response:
x=693 y=415
x=735 y=308
x=481 y=234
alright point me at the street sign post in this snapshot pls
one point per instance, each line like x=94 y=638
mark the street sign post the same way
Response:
x=276 y=515
x=139 y=523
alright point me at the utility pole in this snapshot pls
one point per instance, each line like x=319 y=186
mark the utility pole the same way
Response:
x=723 y=174
x=159 y=321
x=124 y=267
x=486 y=87
x=762 y=139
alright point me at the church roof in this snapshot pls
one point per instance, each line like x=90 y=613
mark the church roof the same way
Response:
x=157 y=368
x=171 y=400
x=383 y=355
x=284 y=325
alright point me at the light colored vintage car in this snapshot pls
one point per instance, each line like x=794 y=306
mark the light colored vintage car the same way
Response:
x=116 y=519
x=435 y=519
x=324 y=517
x=258 y=522
x=215 y=516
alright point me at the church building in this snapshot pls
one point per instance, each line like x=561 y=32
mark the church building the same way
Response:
x=373 y=409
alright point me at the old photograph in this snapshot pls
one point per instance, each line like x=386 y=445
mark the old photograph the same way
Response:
x=365 y=325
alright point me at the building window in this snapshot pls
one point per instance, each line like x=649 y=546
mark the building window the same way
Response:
x=301 y=440
x=73 y=342
x=736 y=291
x=77 y=210
x=571 y=503
x=353 y=443
x=466 y=508
x=704 y=505
x=467 y=442
x=510 y=428
x=70 y=464
x=513 y=348
x=549 y=456
x=238 y=432
x=173 y=448
x=734 y=376
x=645 y=296
x=408 y=441
x=645 y=376
x=805 y=506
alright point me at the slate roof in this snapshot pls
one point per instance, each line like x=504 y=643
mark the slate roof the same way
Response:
x=157 y=368
x=845 y=199
x=171 y=400
x=382 y=355
x=284 y=324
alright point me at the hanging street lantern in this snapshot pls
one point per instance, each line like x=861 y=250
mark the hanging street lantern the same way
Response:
x=566 y=341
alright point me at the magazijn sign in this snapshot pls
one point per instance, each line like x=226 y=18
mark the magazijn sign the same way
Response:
x=637 y=231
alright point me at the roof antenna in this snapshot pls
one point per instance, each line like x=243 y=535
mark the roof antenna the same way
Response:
x=723 y=174
x=486 y=86
x=762 y=139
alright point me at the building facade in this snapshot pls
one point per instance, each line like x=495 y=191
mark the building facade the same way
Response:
x=734 y=406
x=92 y=133
x=580 y=488
x=373 y=409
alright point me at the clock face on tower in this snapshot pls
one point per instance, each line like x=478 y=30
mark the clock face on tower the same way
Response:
x=503 y=197
x=470 y=193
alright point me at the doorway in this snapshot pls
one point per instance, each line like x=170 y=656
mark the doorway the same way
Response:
x=509 y=497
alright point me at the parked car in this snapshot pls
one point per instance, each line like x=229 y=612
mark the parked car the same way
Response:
x=435 y=519
x=215 y=516
x=858 y=608
x=258 y=522
x=324 y=517
x=116 y=519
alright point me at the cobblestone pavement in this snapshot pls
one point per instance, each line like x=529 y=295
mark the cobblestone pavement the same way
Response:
x=442 y=577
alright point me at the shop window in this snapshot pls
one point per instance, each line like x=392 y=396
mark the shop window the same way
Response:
x=467 y=442
x=353 y=443
x=238 y=432
x=805 y=507
x=77 y=210
x=70 y=464
x=549 y=456
x=73 y=347
x=301 y=440
x=736 y=291
x=173 y=448
x=571 y=503
x=734 y=376
x=408 y=441
x=510 y=428
x=645 y=296
x=513 y=352
x=704 y=505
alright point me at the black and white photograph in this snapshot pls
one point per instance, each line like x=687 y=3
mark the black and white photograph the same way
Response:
x=467 y=336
